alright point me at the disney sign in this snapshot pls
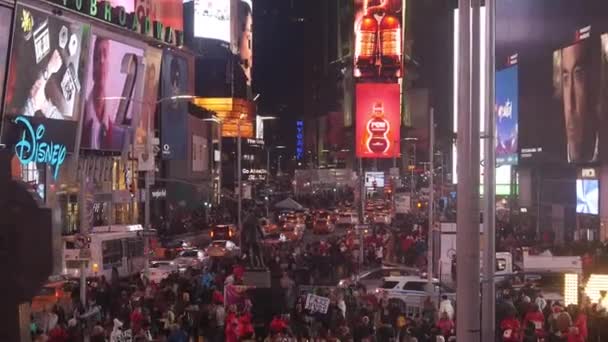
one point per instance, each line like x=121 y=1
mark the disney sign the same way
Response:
x=31 y=148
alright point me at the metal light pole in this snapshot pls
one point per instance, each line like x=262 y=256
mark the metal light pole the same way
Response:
x=488 y=309
x=239 y=176
x=218 y=121
x=361 y=211
x=467 y=236
x=430 y=237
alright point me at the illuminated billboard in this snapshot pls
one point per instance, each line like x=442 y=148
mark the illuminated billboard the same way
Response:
x=573 y=83
x=562 y=78
x=507 y=104
x=168 y=12
x=45 y=79
x=6 y=15
x=233 y=113
x=378 y=120
x=587 y=196
x=378 y=38
x=112 y=94
x=212 y=19
x=374 y=179
x=244 y=37
x=175 y=81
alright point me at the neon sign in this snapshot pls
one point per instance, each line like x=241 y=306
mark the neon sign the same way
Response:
x=299 y=139
x=31 y=148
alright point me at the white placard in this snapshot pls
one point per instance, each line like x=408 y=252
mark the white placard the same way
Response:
x=316 y=303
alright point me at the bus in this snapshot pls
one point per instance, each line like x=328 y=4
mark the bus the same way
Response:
x=110 y=251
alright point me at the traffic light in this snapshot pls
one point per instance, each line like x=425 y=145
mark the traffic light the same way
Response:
x=26 y=256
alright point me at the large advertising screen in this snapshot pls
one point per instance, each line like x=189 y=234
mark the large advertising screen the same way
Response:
x=587 y=196
x=507 y=99
x=45 y=77
x=113 y=93
x=562 y=78
x=374 y=179
x=153 y=59
x=378 y=38
x=244 y=37
x=6 y=17
x=212 y=19
x=168 y=12
x=174 y=113
x=378 y=120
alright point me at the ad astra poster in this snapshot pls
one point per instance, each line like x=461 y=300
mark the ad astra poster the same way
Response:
x=506 y=116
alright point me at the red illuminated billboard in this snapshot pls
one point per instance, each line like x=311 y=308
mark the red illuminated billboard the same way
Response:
x=378 y=119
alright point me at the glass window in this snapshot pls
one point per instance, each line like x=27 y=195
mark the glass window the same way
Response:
x=111 y=253
x=389 y=284
x=189 y=254
x=135 y=247
x=374 y=275
x=414 y=286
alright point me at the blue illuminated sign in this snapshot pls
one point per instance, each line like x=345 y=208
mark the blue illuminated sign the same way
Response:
x=31 y=148
x=299 y=139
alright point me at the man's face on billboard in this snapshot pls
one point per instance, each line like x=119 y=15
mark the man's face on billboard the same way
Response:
x=578 y=109
x=100 y=60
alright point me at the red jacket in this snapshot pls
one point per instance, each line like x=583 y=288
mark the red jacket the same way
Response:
x=535 y=317
x=278 y=325
x=446 y=326
x=581 y=324
x=513 y=325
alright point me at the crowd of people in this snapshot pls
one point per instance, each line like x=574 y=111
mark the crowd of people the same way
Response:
x=213 y=303
x=524 y=315
x=191 y=306
x=199 y=306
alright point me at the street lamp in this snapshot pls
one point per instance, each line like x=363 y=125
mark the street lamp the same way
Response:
x=239 y=175
x=218 y=121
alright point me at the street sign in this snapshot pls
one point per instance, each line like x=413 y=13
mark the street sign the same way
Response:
x=84 y=254
x=402 y=203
